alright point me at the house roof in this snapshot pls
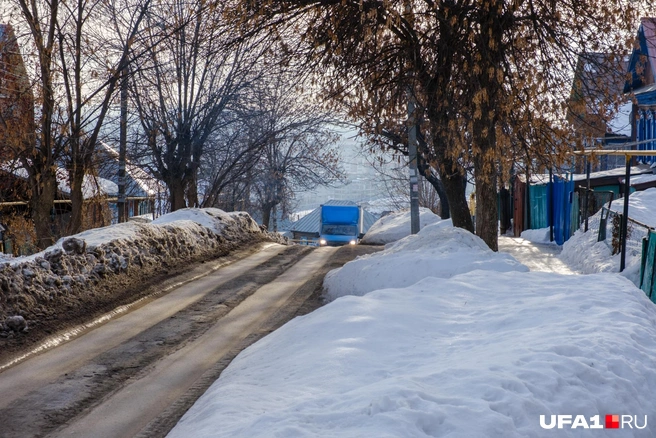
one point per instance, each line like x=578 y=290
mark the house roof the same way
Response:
x=598 y=83
x=645 y=47
x=310 y=222
x=139 y=183
x=598 y=74
x=91 y=186
x=612 y=175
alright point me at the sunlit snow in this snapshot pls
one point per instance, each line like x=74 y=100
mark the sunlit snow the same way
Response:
x=419 y=341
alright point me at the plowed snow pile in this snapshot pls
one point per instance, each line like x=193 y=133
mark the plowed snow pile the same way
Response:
x=83 y=273
x=396 y=225
x=438 y=250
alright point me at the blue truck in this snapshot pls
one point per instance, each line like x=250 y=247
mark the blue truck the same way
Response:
x=340 y=225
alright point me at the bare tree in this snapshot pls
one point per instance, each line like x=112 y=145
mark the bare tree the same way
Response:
x=73 y=91
x=87 y=105
x=392 y=167
x=39 y=156
x=187 y=84
x=299 y=152
x=395 y=140
x=478 y=71
x=226 y=168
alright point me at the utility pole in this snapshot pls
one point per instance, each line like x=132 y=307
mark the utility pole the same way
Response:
x=412 y=155
x=122 y=151
x=550 y=202
x=412 y=140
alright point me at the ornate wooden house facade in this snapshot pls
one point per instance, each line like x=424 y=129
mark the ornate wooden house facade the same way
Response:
x=641 y=84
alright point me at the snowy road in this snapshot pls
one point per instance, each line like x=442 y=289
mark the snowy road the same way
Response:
x=538 y=257
x=138 y=373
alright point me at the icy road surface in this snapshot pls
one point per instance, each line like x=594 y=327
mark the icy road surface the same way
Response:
x=137 y=374
x=537 y=256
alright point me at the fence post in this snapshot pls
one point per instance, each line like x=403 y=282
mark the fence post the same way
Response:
x=587 y=192
x=625 y=216
x=550 y=205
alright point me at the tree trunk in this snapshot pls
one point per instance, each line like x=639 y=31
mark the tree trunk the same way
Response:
x=441 y=193
x=445 y=212
x=454 y=183
x=487 y=91
x=76 y=178
x=486 y=203
x=192 y=194
x=41 y=203
x=454 y=188
x=425 y=171
x=176 y=194
x=266 y=214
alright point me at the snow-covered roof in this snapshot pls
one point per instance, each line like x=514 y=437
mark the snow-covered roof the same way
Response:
x=142 y=181
x=310 y=222
x=92 y=186
x=618 y=172
x=543 y=178
x=640 y=179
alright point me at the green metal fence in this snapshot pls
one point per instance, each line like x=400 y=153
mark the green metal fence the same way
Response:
x=539 y=205
x=647 y=271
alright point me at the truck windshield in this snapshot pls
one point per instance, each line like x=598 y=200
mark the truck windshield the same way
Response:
x=339 y=230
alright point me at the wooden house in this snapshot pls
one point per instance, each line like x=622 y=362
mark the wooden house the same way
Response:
x=641 y=85
x=17 y=126
x=593 y=109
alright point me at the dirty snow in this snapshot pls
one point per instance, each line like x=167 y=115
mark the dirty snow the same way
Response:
x=480 y=354
x=91 y=269
x=395 y=226
x=212 y=218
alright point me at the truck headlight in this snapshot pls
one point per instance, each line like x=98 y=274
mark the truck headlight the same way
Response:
x=352 y=242
x=322 y=242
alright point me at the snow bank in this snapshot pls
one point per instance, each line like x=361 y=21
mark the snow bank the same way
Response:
x=583 y=253
x=438 y=250
x=482 y=354
x=540 y=235
x=212 y=218
x=82 y=273
x=642 y=206
x=395 y=226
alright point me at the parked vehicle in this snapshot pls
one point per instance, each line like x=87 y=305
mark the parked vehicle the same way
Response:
x=341 y=225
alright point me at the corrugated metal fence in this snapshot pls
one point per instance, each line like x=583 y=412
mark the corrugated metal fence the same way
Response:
x=647 y=270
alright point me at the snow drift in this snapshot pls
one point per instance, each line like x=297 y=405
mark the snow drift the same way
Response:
x=395 y=226
x=482 y=354
x=82 y=273
x=583 y=253
x=438 y=250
